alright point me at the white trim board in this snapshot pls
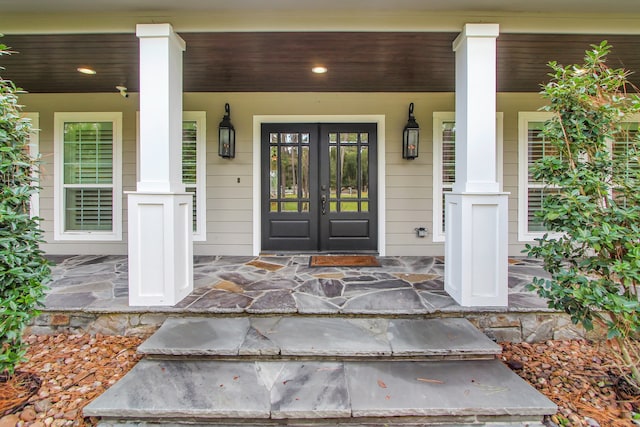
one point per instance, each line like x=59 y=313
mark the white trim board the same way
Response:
x=34 y=152
x=372 y=118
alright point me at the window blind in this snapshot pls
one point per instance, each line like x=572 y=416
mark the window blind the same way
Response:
x=448 y=161
x=622 y=143
x=88 y=176
x=537 y=148
x=190 y=164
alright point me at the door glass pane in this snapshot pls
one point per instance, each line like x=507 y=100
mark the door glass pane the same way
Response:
x=348 y=206
x=289 y=172
x=348 y=138
x=349 y=168
x=333 y=172
x=304 y=207
x=364 y=207
x=364 y=138
x=273 y=172
x=289 y=207
x=333 y=138
x=273 y=138
x=289 y=138
x=304 y=172
x=304 y=138
x=364 y=172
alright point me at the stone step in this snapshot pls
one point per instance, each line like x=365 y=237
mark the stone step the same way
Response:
x=340 y=423
x=319 y=337
x=349 y=393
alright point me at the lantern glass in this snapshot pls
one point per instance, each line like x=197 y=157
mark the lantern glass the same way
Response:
x=226 y=136
x=410 y=137
x=411 y=140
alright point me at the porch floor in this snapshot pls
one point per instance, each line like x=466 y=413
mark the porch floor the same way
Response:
x=283 y=285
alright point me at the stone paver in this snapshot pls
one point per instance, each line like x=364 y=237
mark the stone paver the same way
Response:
x=281 y=284
x=164 y=388
x=441 y=336
x=310 y=390
x=204 y=336
x=445 y=388
x=319 y=337
x=202 y=390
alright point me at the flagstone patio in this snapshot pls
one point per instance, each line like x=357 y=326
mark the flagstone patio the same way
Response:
x=283 y=285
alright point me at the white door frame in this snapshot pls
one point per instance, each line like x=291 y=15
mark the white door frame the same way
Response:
x=368 y=118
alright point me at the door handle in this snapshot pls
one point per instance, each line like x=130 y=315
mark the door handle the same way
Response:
x=324 y=204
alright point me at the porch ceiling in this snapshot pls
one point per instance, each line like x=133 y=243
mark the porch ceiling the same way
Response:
x=266 y=62
x=537 y=6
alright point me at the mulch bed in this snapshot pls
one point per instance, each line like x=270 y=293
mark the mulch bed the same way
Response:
x=579 y=376
x=74 y=369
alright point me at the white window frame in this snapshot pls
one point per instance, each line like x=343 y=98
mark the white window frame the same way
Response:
x=58 y=198
x=524 y=118
x=634 y=118
x=34 y=152
x=438 y=234
x=200 y=117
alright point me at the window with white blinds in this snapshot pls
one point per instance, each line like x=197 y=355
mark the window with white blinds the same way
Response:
x=88 y=176
x=532 y=147
x=193 y=167
x=444 y=164
x=620 y=147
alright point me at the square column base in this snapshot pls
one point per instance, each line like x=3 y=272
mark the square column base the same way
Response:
x=476 y=257
x=160 y=248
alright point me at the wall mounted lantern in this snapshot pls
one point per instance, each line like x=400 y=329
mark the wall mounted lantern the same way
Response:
x=226 y=135
x=410 y=137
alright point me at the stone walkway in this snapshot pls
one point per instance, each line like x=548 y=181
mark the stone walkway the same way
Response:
x=282 y=285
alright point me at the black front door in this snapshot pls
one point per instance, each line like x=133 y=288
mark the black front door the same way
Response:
x=319 y=187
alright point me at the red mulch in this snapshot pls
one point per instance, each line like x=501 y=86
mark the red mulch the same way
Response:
x=74 y=369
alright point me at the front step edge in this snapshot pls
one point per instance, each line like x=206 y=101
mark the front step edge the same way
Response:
x=469 y=391
x=318 y=337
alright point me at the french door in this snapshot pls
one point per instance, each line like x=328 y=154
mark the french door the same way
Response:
x=319 y=187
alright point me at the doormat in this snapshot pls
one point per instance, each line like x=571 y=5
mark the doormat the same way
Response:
x=343 y=261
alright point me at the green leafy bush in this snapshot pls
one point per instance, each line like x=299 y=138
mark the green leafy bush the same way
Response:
x=23 y=268
x=593 y=211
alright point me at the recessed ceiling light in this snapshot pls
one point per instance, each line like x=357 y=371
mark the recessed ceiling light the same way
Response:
x=319 y=69
x=86 y=70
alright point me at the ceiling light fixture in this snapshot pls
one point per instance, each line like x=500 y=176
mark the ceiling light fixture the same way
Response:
x=319 y=69
x=86 y=70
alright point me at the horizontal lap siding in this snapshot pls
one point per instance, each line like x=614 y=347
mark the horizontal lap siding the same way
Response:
x=229 y=209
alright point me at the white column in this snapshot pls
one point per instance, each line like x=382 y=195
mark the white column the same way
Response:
x=476 y=211
x=160 y=223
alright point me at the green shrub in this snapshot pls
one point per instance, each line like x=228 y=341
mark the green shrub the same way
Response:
x=594 y=258
x=23 y=269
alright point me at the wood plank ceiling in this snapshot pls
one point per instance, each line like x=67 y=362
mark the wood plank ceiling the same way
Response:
x=266 y=62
